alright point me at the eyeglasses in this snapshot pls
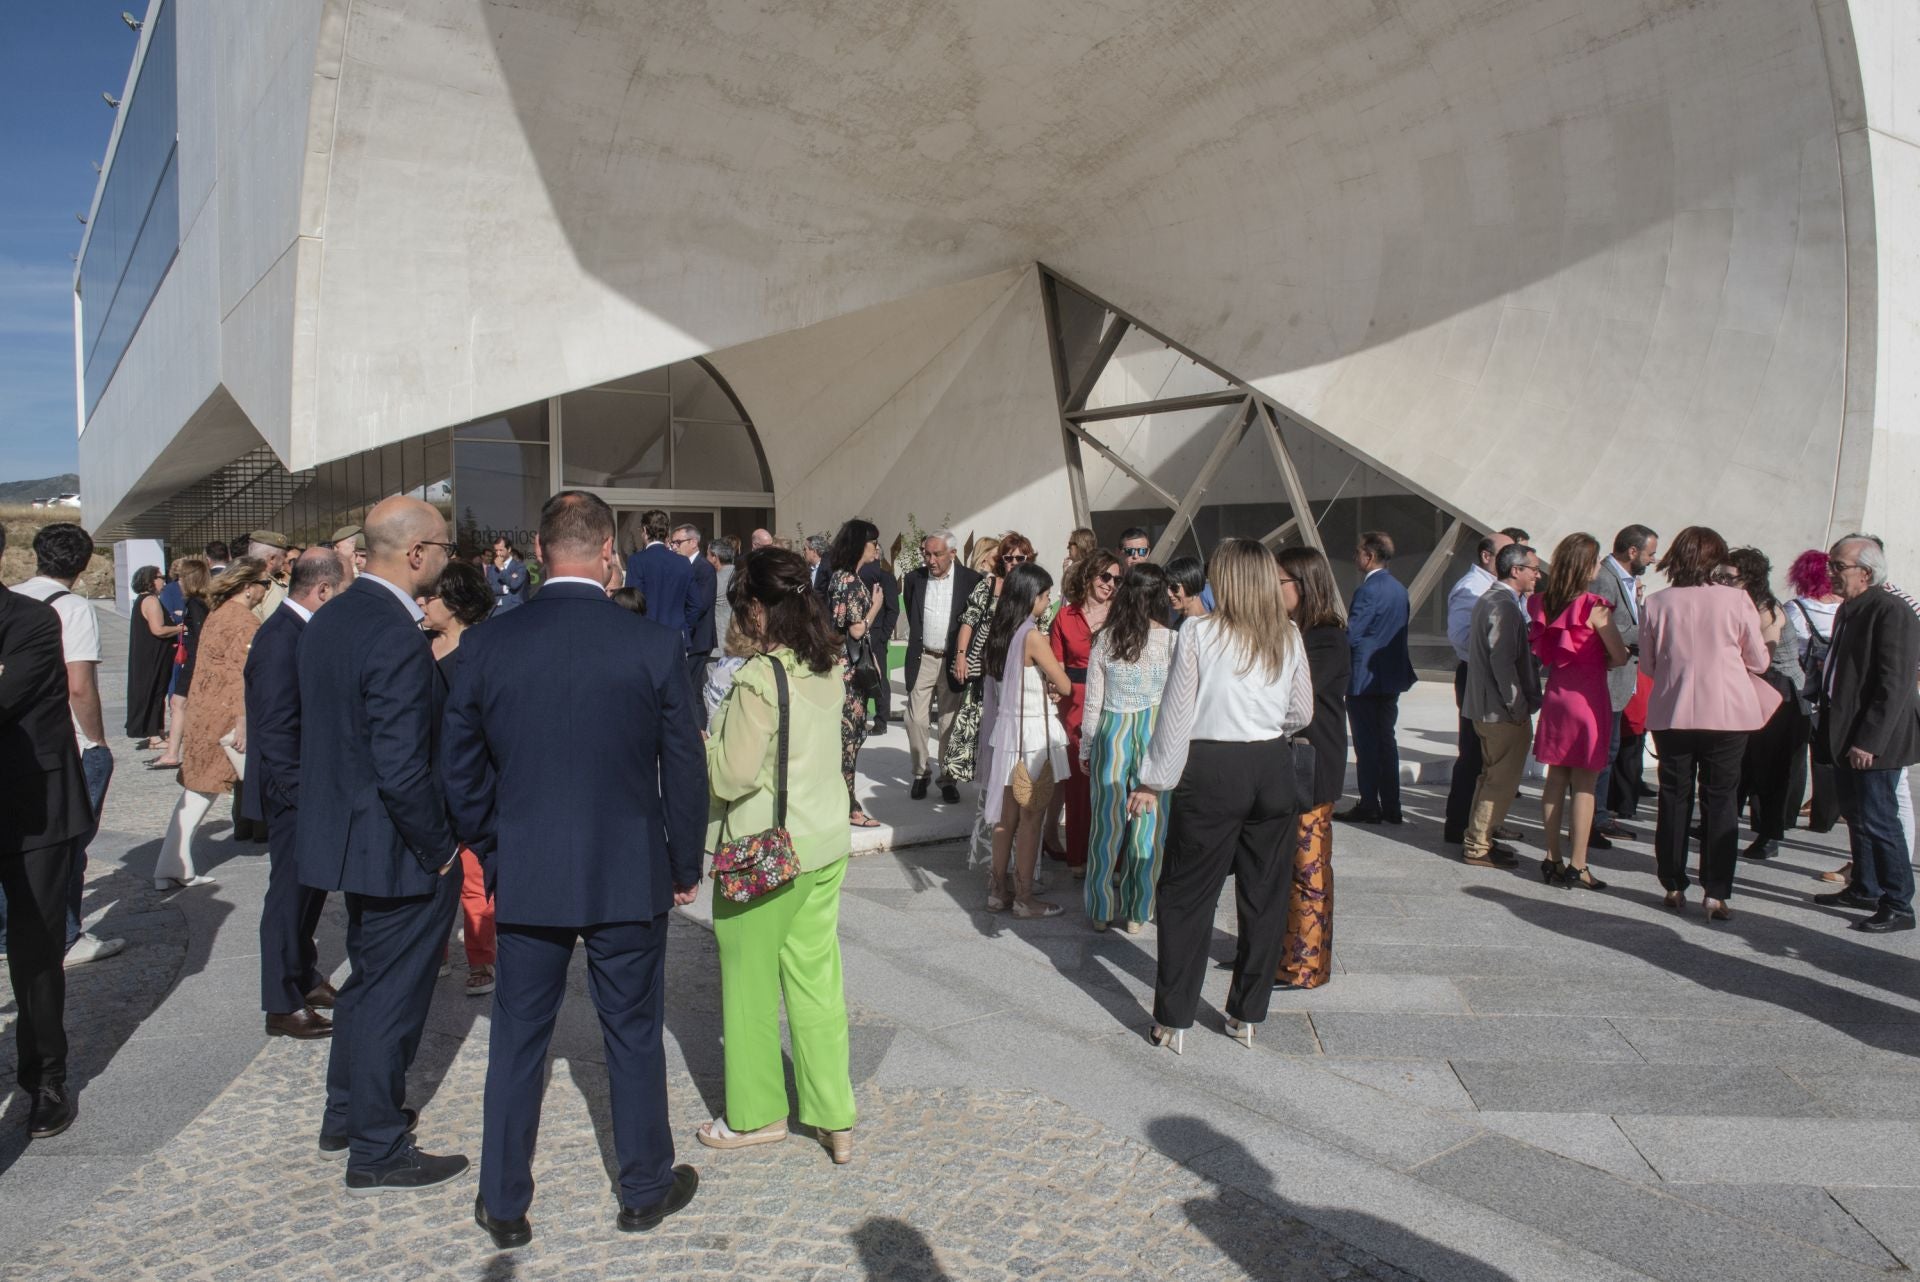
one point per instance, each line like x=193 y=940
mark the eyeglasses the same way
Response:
x=1109 y=577
x=685 y=538
x=1135 y=554
x=1013 y=558
x=1841 y=567
x=453 y=549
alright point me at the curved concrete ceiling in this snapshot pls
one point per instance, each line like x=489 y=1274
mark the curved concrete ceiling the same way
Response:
x=1557 y=262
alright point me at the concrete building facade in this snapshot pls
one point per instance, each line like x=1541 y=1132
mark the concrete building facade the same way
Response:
x=1437 y=266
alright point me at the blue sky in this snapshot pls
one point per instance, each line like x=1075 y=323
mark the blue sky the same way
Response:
x=56 y=56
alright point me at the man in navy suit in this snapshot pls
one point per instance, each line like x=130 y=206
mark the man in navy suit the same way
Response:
x=373 y=825
x=665 y=578
x=1382 y=672
x=575 y=772
x=701 y=634
x=292 y=989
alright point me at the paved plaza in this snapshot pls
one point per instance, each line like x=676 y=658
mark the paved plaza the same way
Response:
x=1504 y=1080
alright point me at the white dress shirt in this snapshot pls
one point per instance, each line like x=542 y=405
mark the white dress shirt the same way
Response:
x=575 y=578
x=1208 y=697
x=936 y=611
x=1464 y=595
x=306 y=615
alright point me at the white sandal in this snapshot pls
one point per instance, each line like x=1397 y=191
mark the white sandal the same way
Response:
x=717 y=1134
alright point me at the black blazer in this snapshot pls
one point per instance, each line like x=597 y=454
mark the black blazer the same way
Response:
x=1871 y=669
x=372 y=819
x=573 y=762
x=915 y=595
x=700 y=631
x=273 y=715
x=1330 y=664
x=45 y=794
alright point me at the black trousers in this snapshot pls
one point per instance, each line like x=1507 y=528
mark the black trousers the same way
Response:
x=1235 y=810
x=289 y=962
x=1466 y=767
x=35 y=882
x=1766 y=767
x=1803 y=770
x=1710 y=758
x=1627 y=774
x=626 y=977
x=1376 y=753
x=394 y=946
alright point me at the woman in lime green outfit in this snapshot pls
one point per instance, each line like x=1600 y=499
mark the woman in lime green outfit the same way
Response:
x=786 y=941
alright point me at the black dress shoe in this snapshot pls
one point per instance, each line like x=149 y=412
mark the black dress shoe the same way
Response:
x=1357 y=815
x=1846 y=899
x=1395 y=818
x=336 y=1145
x=645 y=1219
x=1885 y=922
x=506 y=1234
x=321 y=998
x=950 y=793
x=408 y=1173
x=1597 y=840
x=1761 y=849
x=54 y=1110
x=304 y=1024
x=1615 y=829
x=1452 y=836
x=1497 y=856
x=919 y=789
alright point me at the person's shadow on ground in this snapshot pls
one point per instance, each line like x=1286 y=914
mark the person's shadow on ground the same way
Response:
x=896 y=1251
x=1244 y=1216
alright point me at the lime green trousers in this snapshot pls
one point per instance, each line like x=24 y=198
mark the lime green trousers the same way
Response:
x=785 y=944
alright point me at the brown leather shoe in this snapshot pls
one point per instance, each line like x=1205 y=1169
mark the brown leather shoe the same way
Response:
x=303 y=1023
x=321 y=998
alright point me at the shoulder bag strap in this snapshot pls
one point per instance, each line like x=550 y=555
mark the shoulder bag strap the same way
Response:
x=780 y=770
x=56 y=596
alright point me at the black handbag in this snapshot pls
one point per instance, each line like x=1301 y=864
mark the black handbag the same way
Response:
x=1306 y=771
x=866 y=676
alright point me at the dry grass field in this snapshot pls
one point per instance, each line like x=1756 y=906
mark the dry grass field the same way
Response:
x=22 y=523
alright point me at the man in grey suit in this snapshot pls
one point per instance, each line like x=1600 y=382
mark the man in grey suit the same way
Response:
x=1500 y=696
x=1635 y=548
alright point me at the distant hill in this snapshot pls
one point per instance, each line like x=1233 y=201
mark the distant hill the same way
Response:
x=45 y=487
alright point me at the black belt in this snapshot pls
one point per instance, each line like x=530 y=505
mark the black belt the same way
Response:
x=1077 y=675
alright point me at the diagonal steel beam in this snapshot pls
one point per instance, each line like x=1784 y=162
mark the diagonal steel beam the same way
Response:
x=1223 y=448
x=1435 y=565
x=1083 y=434
x=1271 y=539
x=1290 y=478
x=1109 y=343
x=1171 y=405
x=1069 y=442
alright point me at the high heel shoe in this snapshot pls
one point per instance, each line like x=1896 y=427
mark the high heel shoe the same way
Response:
x=1550 y=869
x=1172 y=1039
x=164 y=884
x=1582 y=877
x=1717 y=909
x=839 y=1144
x=1677 y=900
x=1241 y=1031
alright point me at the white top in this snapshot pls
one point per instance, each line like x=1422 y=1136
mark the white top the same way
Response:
x=936 y=611
x=1804 y=611
x=79 y=631
x=1461 y=598
x=413 y=606
x=1043 y=741
x=1123 y=688
x=1208 y=697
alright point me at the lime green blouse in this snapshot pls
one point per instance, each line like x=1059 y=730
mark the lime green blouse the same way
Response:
x=741 y=745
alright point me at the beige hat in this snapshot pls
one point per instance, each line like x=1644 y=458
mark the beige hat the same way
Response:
x=272 y=538
x=349 y=532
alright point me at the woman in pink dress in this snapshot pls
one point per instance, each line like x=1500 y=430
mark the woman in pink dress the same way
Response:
x=1574 y=638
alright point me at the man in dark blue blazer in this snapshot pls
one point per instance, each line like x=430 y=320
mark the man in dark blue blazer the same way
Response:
x=665 y=577
x=373 y=825
x=701 y=634
x=575 y=771
x=1382 y=672
x=292 y=989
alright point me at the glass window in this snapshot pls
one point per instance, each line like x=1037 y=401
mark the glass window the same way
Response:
x=616 y=439
x=714 y=456
x=135 y=231
x=498 y=489
x=527 y=423
x=650 y=380
x=697 y=395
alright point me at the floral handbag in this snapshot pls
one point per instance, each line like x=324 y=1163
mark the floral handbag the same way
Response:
x=748 y=867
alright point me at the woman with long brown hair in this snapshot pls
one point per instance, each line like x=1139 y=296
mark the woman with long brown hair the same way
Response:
x=1313 y=603
x=216 y=708
x=1573 y=636
x=1237 y=691
x=1089 y=593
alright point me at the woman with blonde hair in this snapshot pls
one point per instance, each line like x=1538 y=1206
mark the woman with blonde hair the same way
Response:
x=215 y=718
x=1238 y=689
x=1574 y=638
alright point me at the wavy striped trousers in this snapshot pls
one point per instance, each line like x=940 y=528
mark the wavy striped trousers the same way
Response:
x=1134 y=847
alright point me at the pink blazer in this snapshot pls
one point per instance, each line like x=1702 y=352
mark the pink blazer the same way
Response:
x=1703 y=649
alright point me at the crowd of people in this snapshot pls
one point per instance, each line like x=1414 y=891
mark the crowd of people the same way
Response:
x=557 y=749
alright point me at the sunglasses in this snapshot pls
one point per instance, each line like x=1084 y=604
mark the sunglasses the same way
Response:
x=1109 y=577
x=1014 y=558
x=1135 y=554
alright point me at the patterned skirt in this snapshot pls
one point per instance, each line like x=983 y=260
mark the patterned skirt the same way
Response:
x=1306 y=953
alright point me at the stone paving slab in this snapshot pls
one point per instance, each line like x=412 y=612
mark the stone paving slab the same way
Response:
x=1765 y=1150
x=1747 y=1090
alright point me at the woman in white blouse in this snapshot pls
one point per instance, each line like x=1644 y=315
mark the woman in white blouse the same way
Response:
x=1238 y=690
x=1125 y=676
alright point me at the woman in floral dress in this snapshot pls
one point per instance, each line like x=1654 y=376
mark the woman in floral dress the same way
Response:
x=854 y=607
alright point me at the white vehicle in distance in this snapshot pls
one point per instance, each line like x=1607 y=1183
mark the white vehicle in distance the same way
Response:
x=58 y=500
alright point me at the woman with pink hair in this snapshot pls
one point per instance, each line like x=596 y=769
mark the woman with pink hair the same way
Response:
x=1810 y=622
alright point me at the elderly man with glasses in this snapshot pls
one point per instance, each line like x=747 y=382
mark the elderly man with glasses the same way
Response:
x=1869 y=724
x=934 y=597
